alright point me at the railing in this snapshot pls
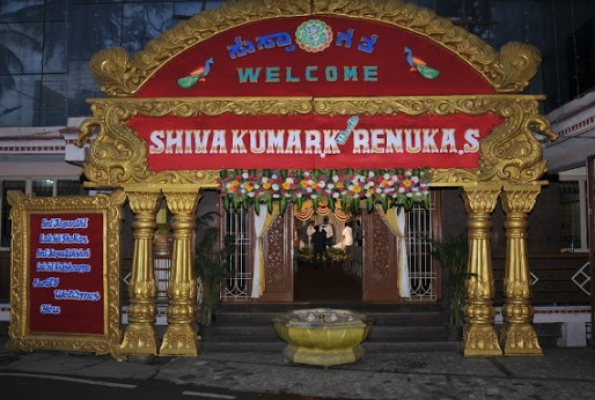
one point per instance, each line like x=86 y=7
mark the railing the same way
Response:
x=557 y=278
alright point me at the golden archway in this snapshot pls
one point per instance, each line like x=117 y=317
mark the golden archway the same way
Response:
x=509 y=167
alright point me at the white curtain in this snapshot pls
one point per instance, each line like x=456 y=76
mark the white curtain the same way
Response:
x=396 y=220
x=262 y=222
x=405 y=283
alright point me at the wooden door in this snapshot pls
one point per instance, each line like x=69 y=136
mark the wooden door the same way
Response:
x=379 y=274
x=278 y=260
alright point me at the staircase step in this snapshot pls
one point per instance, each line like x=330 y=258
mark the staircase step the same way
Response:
x=410 y=346
x=249 y=328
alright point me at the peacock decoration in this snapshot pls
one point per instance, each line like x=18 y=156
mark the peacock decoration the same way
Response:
x=198 y=75
x=419 y=65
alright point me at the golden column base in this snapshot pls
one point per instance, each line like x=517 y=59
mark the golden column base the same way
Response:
x=180 y=340
x=139 y=339
x=479 y=336
x=517 y=336
x=480 y=341
x=520 y=340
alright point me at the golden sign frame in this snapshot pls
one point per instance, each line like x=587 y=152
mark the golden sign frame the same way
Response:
x=512 y=152
x=21 y=208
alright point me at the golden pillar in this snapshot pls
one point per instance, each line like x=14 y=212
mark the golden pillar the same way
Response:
x=139 y=337
x=479 y=336
x=518 y=336
x=181 y=338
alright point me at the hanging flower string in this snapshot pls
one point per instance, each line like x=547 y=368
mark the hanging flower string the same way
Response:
x=389 y=188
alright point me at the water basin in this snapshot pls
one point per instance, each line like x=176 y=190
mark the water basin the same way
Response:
x=323 y=336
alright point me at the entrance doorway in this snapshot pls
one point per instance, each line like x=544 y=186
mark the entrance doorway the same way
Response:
x=373 y=273
x=335 y=279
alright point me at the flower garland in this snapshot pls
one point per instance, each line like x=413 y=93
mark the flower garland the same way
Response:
x=390 y=188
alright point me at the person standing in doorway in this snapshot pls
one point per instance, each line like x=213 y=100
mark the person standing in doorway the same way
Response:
x=319 y=245
x=346 y=237
x=306 y=232
x=310 y=231
x=329 y=230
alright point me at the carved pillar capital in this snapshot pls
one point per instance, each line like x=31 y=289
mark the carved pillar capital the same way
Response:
x=144 y=202
x=519 y=198
x=182 y=203
x=481 y=198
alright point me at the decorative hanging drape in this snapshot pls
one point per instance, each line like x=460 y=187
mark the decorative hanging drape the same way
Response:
x=307 y=210
x=395 y=219
x=262 y=223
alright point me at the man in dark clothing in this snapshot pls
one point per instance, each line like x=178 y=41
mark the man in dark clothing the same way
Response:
x=329 y=231
x=319 y=244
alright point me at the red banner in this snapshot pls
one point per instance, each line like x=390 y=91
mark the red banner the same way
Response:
x=66 y=290
x=315 y=56
x=313 y=142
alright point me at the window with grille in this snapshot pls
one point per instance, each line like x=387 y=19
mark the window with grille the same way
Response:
x=237 y=224
x=422 y=272
x=573 y=214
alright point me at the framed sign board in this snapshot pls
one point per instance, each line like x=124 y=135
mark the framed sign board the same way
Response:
x=65 y=273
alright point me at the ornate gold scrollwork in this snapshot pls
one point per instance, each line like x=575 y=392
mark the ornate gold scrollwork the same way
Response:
x=510 y=153
x=508 y=70
x=120 y=76
x=114 y=72
x=118 y=157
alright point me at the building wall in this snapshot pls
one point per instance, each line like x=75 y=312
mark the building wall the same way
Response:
x=54 y=169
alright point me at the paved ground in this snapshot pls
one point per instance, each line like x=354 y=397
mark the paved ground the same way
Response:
x=562 y=373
